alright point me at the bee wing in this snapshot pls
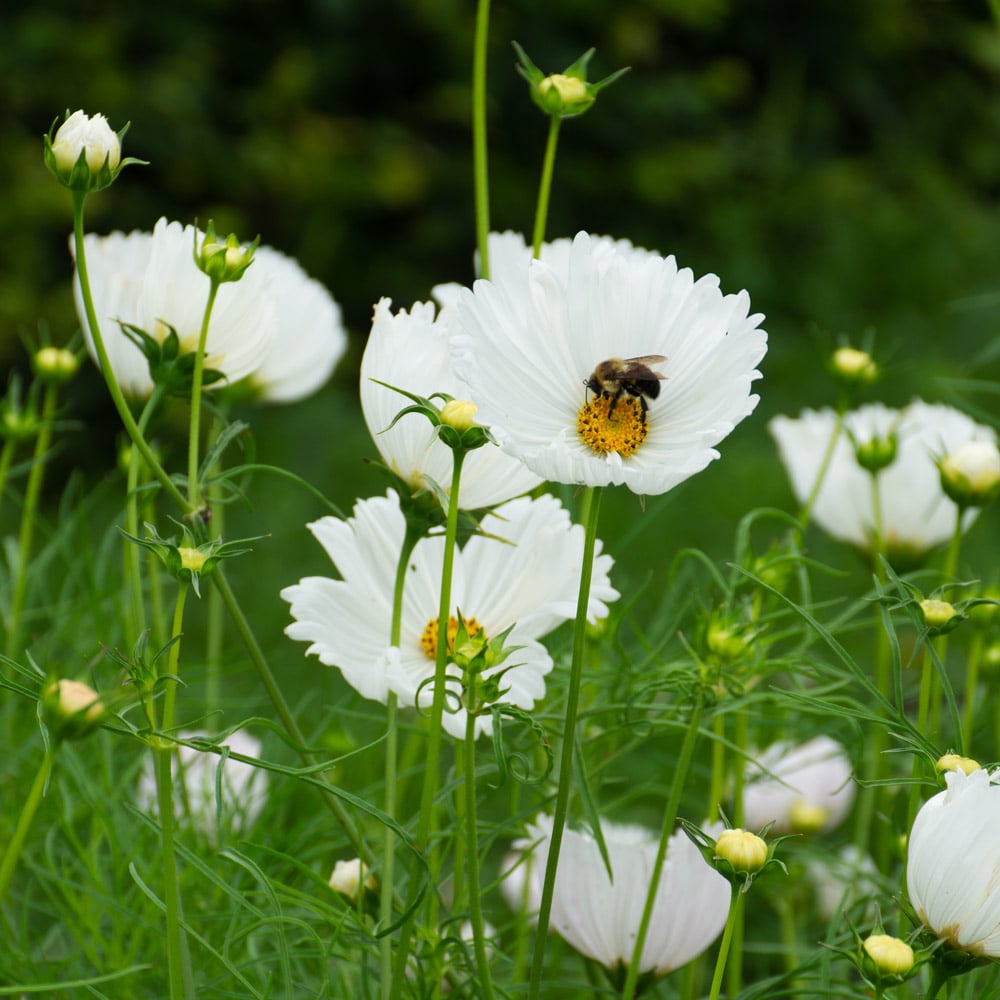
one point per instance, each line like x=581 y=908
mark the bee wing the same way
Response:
x=645 y=360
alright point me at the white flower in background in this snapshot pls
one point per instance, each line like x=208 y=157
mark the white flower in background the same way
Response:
x=600 y=917
x=970 y=475
x=529 y=580
x=275 y=324
x=411 y=350
x=800 y=788
x=916 y=514
x=526 y=344
x=243 y=786
x=80 y=132
x=308 y=338
x=951 y=867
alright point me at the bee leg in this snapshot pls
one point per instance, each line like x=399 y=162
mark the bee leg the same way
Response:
x=611 y=408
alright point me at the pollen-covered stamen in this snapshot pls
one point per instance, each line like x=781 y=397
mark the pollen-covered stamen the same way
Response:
x=609 y=424
x=429 y=638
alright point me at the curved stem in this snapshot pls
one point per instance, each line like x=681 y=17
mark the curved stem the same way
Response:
x=194 y=487
x=669 y=818
x=591 y=515
x=105 y=365
x=479 y=158
x=806 y=512
x=545 y=185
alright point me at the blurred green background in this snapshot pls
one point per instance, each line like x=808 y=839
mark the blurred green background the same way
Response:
x=840 y=160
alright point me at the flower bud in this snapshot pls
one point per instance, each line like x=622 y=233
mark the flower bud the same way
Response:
x=223 y=261
x=350 y=877
x=940 y=617
x=459 y=413
x=744 y=850
x=84 y=153
x=71 y=709
x=193 y=560
x=807 y=817
x=853 y=367
x=953 y=762
x=878 y=453
x=890 y=955
x=55 y=364
x=971 y=474
x=565 y=94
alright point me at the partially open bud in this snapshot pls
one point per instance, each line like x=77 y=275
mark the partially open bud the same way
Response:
x=953 y=762
x=350 y=878
x=459 y=413
x=71 y=709
x=84 y=153
x=55 y=364
x=565 y=94
x=744 y=850
x=853 y=367
x=890 y=955
x=940 y=616
x=223 y=261
x=193 y=560
x=971 y=474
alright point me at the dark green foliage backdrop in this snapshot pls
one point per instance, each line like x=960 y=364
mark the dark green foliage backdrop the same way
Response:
x=839 y=160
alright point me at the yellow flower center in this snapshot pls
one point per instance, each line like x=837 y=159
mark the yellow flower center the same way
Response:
x=429 y=638
x=609 y=424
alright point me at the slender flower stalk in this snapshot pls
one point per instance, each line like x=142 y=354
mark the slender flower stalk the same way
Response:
x=806 y=512
x=735 y=902
x=669 y=818
x=545 y=186
x=479 y=148
x=14 y=848
x=591 y=515
x=29 y=517
x=194 y=487
x=79 y=197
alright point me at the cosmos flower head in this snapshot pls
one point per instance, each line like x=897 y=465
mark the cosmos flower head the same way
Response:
x=410 y=349
x=600 y=916
x=527 y=341
x=275 y=325
x=916 y=514
x=526 y=577
x=803 y=787
x=952 y=862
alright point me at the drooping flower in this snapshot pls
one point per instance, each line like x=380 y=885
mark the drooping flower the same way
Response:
x=916 y=514
x=798 y=788
x=275 y=325
x=243 y=786
x=526 y=342
x=600 y=917
x=526 y=577
x=410 y=350
x=951 y=868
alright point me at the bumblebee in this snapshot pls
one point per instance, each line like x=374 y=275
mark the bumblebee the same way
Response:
x=632 y=376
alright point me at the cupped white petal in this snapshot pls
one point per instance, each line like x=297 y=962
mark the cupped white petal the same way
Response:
x=410 y=350
x=526 y=342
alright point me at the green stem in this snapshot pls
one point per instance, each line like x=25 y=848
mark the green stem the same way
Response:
x=717 y=783
x=591 y=514
x=179 y=973
x=16 y=844
x=194 y=487
x=735 y=899
x=472 y=848
x=410 y=540
x=734 y=974
x=105 y=365
x=545 y=185
x=6 y=459
x=214 y=630
x=669 y=818
x=971 y=683
x=824 y=466
x=426 y=820
x=281 y=707
x=479 y=157
x=29 y=517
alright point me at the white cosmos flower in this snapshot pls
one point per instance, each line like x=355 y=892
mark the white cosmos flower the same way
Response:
x=600 y=917
x=243 y=786
x=952 y=866
x=275 y=324
x=804 y=787
x=529 y=580
x=916 y=514
x=526 y=344
x=410 y=350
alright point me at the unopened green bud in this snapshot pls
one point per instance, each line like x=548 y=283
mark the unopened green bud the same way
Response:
x=726 y=643
x=192 y=560
x=223 y=261
x=877 y=454
x=890 y=955
x=940 y=617
x=853 y=367
x=55 y=364
x=971 y=474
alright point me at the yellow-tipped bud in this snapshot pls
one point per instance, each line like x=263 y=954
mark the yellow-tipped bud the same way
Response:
x=937 y=614
x=970 y=475
x=55 y=364
x=744 y=850
x=892 y=956
x=459 y=413
x=807 y=817
x=191 y=559
x=953 y=762
x=569 y=88
x=853 y=366
x=71 y=708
